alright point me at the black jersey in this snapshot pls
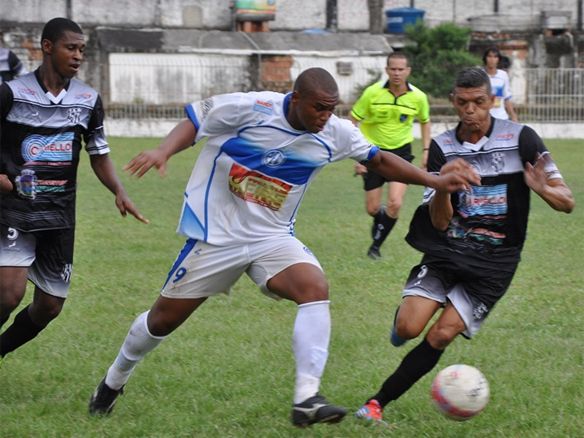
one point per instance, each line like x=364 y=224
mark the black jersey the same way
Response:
x=40 y=140
x=489 y=224
x=10 y=65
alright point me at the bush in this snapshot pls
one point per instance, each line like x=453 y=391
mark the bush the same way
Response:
x=436 y=55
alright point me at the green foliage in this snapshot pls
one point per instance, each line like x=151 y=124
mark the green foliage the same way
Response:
x=228 y=371
x=436 y=55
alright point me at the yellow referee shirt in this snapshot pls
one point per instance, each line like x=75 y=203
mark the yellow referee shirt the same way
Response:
x=385 y=120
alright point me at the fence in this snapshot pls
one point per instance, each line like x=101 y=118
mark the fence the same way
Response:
x=156 y=86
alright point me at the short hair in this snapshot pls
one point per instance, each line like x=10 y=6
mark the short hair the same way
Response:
x=473 y=77
x=316 y=78
x=397 y=55
x=56 y=27
x=494 y=50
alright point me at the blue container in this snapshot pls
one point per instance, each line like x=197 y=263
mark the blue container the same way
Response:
x=399 y=18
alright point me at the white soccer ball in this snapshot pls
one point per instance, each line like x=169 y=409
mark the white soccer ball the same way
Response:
x=460 y=391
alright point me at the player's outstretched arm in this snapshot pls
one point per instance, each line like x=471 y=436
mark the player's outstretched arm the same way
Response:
x=180 y=138
x=553 y=191
x=395 y=168
x=104 y=169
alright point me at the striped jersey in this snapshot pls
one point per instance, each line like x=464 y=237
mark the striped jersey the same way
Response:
x=42 y=136
x=254 y=167
x=489 y=224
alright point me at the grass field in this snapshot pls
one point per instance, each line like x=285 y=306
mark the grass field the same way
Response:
x=228 y=372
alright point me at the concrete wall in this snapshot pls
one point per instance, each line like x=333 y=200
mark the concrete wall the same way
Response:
x=353 y=15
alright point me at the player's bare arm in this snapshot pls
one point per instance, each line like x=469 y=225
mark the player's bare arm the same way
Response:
x=180 y=138
x=553 y=191
x=395 y=168
x=5 y=184
x=104 y=169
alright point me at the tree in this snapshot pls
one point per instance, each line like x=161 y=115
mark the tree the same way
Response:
x=375 y=16
x=437 y=55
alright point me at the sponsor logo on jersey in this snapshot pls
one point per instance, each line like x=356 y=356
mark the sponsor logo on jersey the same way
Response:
x=206 y=106
x=484 y=200
x=258 y=188
x=273 y=158
x=58 y=147
x=504 y=137
x=29 y=91
x=263 y=107
x=83 y=96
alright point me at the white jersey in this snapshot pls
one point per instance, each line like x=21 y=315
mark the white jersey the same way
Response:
x=254 y=168
x=501 y=89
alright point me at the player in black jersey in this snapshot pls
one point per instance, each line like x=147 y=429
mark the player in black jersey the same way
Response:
x=471 y=240
x=44 y=116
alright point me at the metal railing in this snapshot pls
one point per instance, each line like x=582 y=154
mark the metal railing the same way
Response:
x=150 y=86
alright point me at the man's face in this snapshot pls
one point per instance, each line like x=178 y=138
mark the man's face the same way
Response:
x=472 y=106
x=398 y=71
x=66 y=53
x=313 y=109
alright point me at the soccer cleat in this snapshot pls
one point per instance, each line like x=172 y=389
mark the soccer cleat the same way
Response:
x=373 y=252
x=394 y=338
x=103 y=399
x=370 y=411
x=316 y=409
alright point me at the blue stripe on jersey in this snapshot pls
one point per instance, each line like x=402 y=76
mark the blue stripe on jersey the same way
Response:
x=189 y=245
x=190 y=112
x=190 y=225
x=287 y=167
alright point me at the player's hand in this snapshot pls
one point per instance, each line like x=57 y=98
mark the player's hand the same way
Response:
x=534 y=175
x=457 y=175
x=125 y=205
x=5 y=184
x=360 y=169
x=144 y=161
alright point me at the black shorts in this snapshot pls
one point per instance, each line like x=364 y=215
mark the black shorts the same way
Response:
x=372 y=180
x=47 y=254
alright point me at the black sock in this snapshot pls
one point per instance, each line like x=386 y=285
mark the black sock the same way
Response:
x=20 y=332
x=4 y=319
x=413 y=367
x=384 y=225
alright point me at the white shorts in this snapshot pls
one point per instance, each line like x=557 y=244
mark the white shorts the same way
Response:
x=203 y=270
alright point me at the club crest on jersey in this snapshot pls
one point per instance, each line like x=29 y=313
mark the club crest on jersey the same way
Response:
x=497 y=161
x=74 y=115
x=57 y=147
x=273 y=158
x=263 y=107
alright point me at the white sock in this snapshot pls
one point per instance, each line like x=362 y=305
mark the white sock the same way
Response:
x=312 y=332
x=137 y=344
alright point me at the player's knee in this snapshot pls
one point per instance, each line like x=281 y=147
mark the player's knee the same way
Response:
x=440 y=336
x=9 y=301
x=372 y=210
x=406 y=329
x=393 y=207
x=43 y=313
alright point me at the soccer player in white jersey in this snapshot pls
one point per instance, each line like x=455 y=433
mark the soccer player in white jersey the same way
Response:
x=472 y=239
x=259 y=153
x=500 y=86
x=45 y=118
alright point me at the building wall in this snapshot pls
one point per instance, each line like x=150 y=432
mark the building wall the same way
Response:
x=353 y=15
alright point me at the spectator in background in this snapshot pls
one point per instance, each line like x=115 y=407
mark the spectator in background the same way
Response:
x=500 y=85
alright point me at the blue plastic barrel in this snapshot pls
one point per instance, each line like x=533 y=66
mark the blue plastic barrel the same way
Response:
x=399 y=18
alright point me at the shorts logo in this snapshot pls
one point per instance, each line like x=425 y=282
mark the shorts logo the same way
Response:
x=57 y=147
x=403 y=118
x=307 y=251
x=273 y=158
x=67 y=271
x=479 y=311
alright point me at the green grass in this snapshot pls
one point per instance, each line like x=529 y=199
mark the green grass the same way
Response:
x=228 y=372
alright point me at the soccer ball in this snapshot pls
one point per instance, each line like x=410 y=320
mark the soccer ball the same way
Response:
x=460 y=392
